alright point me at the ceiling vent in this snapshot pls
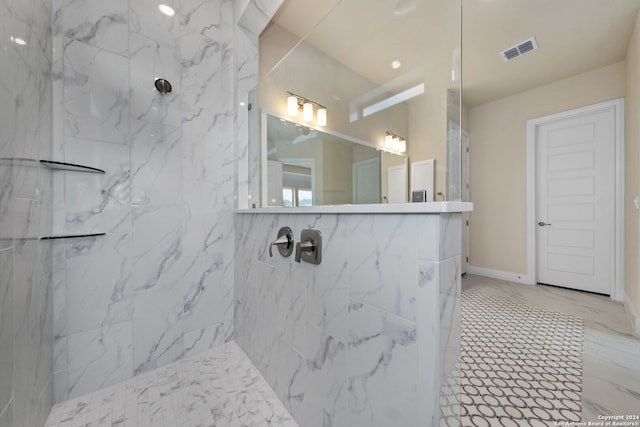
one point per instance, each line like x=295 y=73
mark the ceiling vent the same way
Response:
x=520 y=49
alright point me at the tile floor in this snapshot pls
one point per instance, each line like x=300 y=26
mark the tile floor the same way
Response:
x=222 y=387
x=218 y=388
x=611 y=361
x=519 y=365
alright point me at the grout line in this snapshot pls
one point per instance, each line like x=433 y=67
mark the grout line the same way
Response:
x=7 y=406
x=413 y=322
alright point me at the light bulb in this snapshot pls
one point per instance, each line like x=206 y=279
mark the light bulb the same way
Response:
x=322 y=117
x=388 y=141
x=292 y=106
x=307 y=111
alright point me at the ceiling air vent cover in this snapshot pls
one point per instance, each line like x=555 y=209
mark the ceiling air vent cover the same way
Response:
x=520 y=49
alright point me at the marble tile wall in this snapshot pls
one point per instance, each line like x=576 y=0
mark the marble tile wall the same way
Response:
x=159 y=285
x=364 y=338
x=252 y=17
x=26 y=331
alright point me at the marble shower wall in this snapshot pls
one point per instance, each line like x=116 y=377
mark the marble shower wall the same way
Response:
x=159 y=285
x=253 y=16
x=365 y=338
x=26 y=320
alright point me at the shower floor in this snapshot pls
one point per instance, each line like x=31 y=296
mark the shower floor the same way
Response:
x=218 y=388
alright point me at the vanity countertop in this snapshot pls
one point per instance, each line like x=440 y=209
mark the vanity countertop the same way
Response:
x=391 y=208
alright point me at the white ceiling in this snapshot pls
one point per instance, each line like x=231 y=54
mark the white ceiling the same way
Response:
x=574 y=36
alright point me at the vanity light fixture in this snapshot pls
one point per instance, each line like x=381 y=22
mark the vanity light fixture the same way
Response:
x=297 y=104
x=166 y=9
x=395 y=143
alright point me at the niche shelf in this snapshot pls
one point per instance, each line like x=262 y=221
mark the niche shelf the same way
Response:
x=70 y=236
x=72 y=167
x=53 y=165
x=69 y=167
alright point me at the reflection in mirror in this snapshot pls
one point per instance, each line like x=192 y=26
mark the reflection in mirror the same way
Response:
x=371 y=74
x=307 y=166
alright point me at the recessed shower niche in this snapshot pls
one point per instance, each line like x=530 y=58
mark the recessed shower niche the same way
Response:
x=71 y=168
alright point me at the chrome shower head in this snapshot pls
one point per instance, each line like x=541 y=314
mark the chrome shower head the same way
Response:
x=163 y=85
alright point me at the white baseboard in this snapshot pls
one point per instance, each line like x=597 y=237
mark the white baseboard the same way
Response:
x=500 y=275
x=635 y=319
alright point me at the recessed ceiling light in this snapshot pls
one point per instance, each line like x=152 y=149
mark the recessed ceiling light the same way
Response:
x=167 y=10
x=18 y=40
x=396 y=64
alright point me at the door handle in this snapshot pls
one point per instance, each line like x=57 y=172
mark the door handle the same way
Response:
x=542 y=224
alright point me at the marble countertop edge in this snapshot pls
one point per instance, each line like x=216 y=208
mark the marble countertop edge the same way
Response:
x=390 y=208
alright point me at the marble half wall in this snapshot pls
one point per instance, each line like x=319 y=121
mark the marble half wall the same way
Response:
x=365 y=338
x=159 y=285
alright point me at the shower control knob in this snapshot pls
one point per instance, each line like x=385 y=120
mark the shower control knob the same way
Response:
x=284 y=242
x=307 y=246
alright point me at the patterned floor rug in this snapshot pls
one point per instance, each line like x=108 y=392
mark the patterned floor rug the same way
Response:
x=519 y=365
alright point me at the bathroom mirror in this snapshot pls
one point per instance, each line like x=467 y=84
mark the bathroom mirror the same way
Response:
x=308 y=166
x=366 y=42
x=371 y=74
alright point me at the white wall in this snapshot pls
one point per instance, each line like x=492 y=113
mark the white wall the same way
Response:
x=498 y=161
x=632 y=175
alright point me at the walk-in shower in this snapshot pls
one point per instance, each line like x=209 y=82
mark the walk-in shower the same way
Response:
x=157 y=303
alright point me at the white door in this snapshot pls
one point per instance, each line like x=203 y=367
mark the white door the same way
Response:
x=575 y=201
x=422 y=174
x=366 y=181
x=397 y=184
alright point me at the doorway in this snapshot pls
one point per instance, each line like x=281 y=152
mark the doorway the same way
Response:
x=366 y=181
x=575 y=205
x=397 y=185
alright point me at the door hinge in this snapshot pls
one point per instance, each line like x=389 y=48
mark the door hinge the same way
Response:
x=467 y=259
x=467 y=223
